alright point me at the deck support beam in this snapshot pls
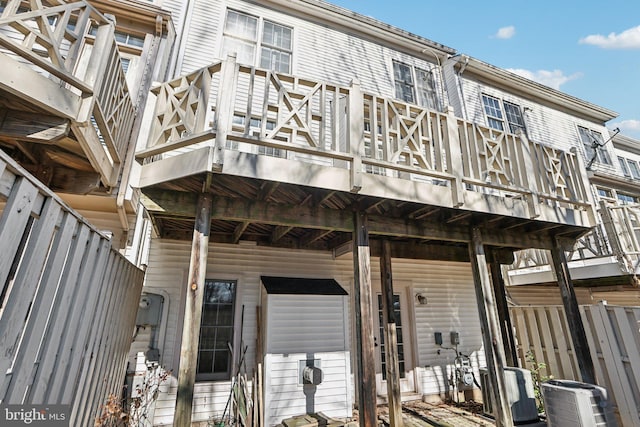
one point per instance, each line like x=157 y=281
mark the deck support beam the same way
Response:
x=511 y=355
x=491 y=336
x=365 y=356
x=391 y=339
x=193 y=312
x=571 y=309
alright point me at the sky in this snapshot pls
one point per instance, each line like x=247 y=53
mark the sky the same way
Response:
x=585 y=48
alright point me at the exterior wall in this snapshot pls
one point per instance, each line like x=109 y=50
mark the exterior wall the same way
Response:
x=549 y=295
x=319 y=52
x=449 y=288
x=544 y=124
x=303 y=327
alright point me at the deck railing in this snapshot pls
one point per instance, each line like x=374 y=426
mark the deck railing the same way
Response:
x=52 y=38
x=235 y=107
x=617 y=236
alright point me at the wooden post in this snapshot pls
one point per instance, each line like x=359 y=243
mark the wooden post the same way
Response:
x=391 y=339
x=193 y=312
x=491 y=337
x=365 y=356
x=511 y=355
x=356 y=134
x=224 y=112
x=574 y=320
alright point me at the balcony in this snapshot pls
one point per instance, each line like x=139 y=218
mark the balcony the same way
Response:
x=229 y=120
x=68 y=113
x=608 y=255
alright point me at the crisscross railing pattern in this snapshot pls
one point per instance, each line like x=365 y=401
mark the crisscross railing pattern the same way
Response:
x=51 y=37
x=266 y=113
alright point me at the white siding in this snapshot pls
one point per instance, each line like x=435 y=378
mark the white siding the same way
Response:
x=319 y=52
x=544 y=125
x=301 y=327
x=449 y=287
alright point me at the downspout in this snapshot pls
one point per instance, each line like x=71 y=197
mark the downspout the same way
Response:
x=145 y=85
x=463 y=60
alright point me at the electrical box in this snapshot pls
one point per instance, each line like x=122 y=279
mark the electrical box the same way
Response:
x=149 y=310
x=310 y=372
x=438 y=337
x=455 y=338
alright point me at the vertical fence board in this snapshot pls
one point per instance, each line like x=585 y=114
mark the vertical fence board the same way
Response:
x=70 y=309
x=614 y=342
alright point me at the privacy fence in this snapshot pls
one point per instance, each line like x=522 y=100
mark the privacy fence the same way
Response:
x=67 y=304
x=614 y=340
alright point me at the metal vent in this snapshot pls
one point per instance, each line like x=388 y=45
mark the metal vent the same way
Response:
x=575 y=404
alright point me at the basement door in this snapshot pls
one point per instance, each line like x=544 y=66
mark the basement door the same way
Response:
x=405 y=362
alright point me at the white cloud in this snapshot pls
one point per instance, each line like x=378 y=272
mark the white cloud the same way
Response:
x=554 y=79
x=505 y=32
x=628 y=39
x=628 y=126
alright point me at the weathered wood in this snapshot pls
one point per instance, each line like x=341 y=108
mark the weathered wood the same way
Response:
x=491 y=336
x=365 y=355
x=511 y=356
x=578 y=336
x=34 y=88
x=356 y=134
x=226 y=91
x=31 y=127
x=391 y=339
x=181 y=204
x=193 y=312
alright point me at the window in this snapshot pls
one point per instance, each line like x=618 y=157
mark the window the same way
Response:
x=245 y=35
x=627 y=199
x=496 y=112
x=629 y=168
x=593 y=146
x=415 y=85
x=605 y=193
x=216 y=330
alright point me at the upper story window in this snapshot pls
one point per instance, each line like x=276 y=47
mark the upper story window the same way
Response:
x=415 y=85
x=594 y=146
x=627 y=199
x=629 y=168
x=497 y=111
x=246 y=35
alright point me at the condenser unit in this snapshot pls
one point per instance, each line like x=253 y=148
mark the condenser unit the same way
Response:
x=519 y=387
x=575 y=404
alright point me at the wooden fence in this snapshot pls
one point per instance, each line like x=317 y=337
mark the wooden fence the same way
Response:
x=67 y=303
x=614 y=339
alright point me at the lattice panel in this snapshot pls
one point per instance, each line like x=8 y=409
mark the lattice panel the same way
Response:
x=180 y=107
x=553 y=163
x=47 y=33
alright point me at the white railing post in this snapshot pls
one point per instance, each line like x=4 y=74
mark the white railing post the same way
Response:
x=454 y=158
x=530 y=177
x=585 y=187
x=224 y=109
x=355 y=122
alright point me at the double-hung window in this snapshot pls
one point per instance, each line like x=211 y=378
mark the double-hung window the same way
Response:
x=594 y=146
x=629 y=167
x=500 y=113
x=216 y=330
x=415 y=85
x=258 y=41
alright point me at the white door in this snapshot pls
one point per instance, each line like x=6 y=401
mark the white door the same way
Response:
x=405 y=351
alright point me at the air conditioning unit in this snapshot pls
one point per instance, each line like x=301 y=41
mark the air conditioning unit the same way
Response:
x=571 y=403
x=520 y=394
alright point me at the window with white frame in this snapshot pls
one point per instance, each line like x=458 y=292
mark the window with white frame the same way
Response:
x=216 y=330
x=627 y=199
x=498 y=111
x=594 y=146
x=257 y=40
x=415 y=85
x=629 y=167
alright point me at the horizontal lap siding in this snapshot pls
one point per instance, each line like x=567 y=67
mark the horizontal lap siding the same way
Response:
x=448 y=286
x=318 y=51
x=285 y=397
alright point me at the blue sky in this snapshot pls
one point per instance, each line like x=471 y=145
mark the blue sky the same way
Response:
x=584 y=48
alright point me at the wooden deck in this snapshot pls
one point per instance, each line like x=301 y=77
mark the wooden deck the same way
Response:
x=287 y=159
x=67 y=113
